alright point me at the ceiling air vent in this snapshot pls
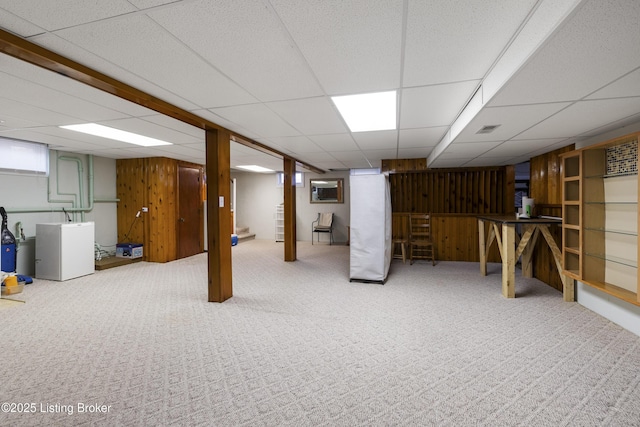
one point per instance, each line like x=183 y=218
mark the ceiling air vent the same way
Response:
x=488 y=128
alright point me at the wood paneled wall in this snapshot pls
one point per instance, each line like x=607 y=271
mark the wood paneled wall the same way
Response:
x=546 y=188
x=454 y=197
x=152 y=183
x=455 y=236
x=455 y=191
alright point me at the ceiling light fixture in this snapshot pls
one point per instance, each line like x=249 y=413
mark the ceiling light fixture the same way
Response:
x=255 y=168
x=116 y=134
x=368 y=112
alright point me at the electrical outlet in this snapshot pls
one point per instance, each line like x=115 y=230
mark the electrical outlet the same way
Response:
x=145 y=209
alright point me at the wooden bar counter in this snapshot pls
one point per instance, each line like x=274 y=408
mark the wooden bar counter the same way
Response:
x=502 y=230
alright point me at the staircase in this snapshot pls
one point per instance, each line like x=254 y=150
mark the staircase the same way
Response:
x=244 y=234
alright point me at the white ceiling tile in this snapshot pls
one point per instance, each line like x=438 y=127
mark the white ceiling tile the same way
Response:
x=469 y=149
x=454 y=41
x=336 y=142
x=18 y=110
x=19 y=26
x=42 y=135
x=449 y=161
x=64 y=86
x=141 y=46
x=347 y=156
x=263 y=160
x=330 y=165
x=296 y=144
x=362 y=164
x=310 y=116
x=44 y=97
x=197 y=133
x=376 y=140
x=152 y=130
x=512 y=120
x=286 y=51
x=582 y=117
x=145 y=4
x=582 y=56
x=257 y=118
x=53 y=15
x=549 y=148
x=422 y=137
x=352 y=46
x=437 y=105
x=414 y=153
x=617 y=125
x=238 y=149
x=243 y=39
x=314 y=158
x=486 y=161
x=189 y=150
x=545 y=18
x=90 y=59
x=227 y=124
x=515 y=147
x=376 y=155
x=120 y=153
x=11 y=122
x=628 y=85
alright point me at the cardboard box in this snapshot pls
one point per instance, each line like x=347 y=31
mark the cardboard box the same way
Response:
x=129 y=250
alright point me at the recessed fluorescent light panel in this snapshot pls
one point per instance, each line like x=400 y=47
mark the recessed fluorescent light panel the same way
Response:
x=116 y=134
x=254 y=168
x=368 y=112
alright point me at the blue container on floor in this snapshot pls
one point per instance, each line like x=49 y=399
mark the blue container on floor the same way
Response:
x=8 y=258
x=234 y=239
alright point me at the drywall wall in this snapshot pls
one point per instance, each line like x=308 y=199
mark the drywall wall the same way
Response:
x=22 y=195
x=259 y=194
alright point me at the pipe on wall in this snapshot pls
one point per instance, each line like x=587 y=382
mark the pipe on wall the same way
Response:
x=73 y=208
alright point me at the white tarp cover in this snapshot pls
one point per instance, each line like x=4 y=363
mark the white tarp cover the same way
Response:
x=370 y=250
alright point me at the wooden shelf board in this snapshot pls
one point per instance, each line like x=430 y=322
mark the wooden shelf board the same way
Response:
x=616 y=291
x=574 y=274
x=572 y=250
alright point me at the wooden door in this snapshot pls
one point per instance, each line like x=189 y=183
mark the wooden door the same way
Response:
x=190 y=216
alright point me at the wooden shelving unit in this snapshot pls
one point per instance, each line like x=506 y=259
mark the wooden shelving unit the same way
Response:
x=600 y=217
x=279 y=223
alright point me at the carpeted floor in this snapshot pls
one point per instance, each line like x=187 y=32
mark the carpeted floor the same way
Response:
x=300 y=345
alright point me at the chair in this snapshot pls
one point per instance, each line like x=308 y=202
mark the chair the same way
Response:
x=420 y=243
x=323 y=224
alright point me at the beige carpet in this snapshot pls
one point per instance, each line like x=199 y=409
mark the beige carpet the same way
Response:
x=298 y=345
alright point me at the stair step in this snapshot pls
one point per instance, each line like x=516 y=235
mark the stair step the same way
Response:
x=245 y=236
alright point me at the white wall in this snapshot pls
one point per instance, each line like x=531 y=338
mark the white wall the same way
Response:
x=257 y=197
x=618 y=311
x=26 y=200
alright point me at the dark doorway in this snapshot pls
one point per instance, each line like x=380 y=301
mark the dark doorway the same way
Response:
x=190 y=215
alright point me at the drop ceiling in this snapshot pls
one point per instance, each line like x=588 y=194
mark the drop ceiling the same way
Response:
x=549 y=72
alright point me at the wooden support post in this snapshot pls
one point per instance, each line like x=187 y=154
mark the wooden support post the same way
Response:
x=508 y=261
x=218 y=149
x=526 y=249
x=289 y=209
x=499 y=240
x=568 y=284
x=482 y=250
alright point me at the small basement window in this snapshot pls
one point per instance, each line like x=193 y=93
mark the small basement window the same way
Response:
x=23 y=157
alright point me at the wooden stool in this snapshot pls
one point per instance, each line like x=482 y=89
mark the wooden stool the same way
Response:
x=403 y=247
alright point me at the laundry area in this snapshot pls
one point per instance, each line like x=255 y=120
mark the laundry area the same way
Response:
x=49 y=214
